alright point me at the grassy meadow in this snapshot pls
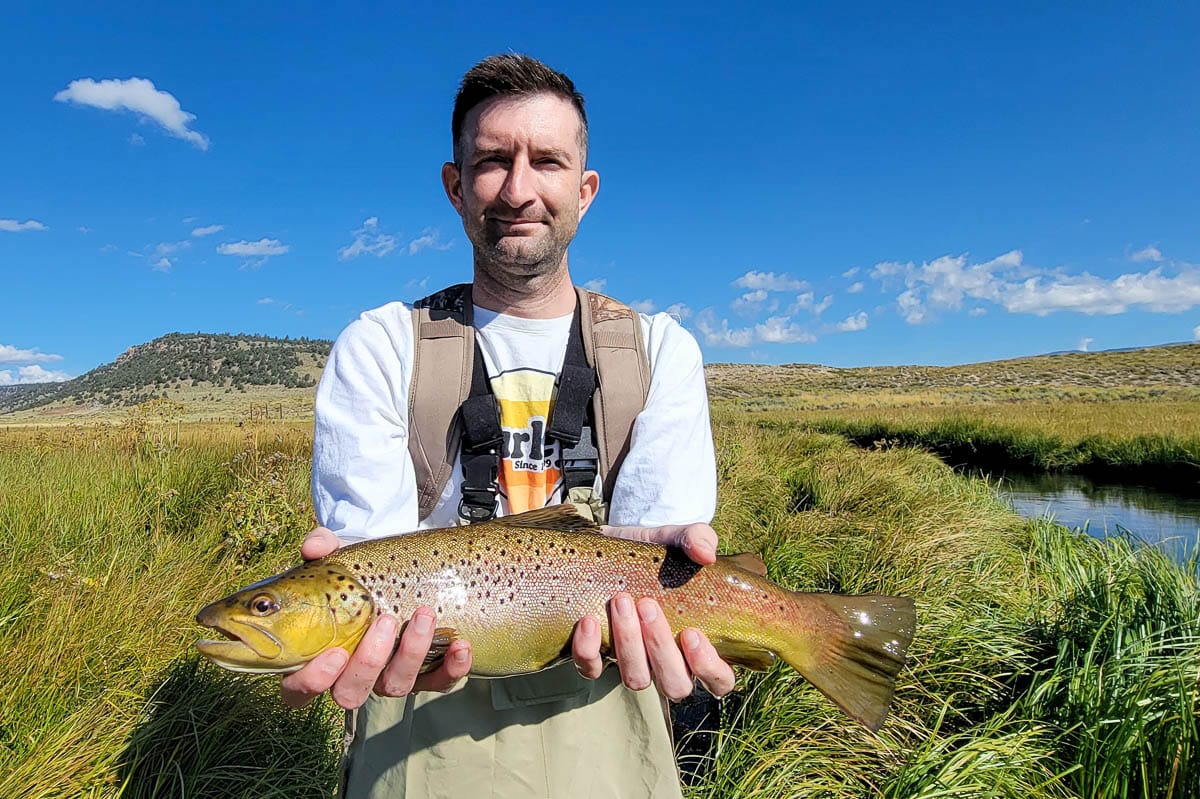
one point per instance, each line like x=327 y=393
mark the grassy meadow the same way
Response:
x=1046 y=663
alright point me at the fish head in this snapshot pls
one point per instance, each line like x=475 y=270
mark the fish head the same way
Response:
x=279 y=624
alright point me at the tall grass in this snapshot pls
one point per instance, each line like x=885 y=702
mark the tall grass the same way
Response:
x=1045 y=664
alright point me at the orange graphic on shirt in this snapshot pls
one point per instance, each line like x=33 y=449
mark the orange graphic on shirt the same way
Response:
x=530 y=469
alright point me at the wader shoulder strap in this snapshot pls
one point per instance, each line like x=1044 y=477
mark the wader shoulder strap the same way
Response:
x=612 y=339
x=444 y=347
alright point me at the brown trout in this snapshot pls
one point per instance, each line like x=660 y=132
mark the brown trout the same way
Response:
x=516 y=586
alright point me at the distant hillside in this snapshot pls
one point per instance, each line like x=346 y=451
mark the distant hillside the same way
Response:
x=218 y=362
x=1168 y=366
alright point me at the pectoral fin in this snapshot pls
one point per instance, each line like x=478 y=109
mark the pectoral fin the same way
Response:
x=442 y=638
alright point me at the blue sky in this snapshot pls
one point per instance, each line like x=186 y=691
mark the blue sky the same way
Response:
x=868 y=185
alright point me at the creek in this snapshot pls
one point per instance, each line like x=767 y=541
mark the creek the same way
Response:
x=1154 y=516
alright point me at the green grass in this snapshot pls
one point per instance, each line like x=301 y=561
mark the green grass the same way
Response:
x=1046 y=664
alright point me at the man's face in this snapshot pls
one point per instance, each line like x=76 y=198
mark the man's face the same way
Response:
x=521 y=188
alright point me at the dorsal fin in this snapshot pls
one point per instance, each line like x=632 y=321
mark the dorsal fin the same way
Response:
x=749 y=561
x=563 y=518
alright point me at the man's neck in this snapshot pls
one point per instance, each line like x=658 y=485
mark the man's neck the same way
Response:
x=543 y=297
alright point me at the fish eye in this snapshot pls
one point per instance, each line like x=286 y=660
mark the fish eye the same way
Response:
x=263 y=605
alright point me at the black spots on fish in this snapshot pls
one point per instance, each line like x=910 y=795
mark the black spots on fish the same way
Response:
x=370 y=565
x=403 y=585
x=676 y=569
x=392 y=556
x=436 y=553
x=503 y=551
x=396 y=609
x=599 y=554
x=415 y=563
x=328 y=597
x=356 y=568
x=367 y=597
x=344 y=597
x=358 y=613
x=477 y=556
x=462 y=561
x=418 y=595
x=657 y=559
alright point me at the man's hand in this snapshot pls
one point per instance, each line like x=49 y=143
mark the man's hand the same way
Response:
x=373 y=666
x=641 y=634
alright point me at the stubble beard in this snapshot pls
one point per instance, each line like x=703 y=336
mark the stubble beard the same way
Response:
x=521 y=263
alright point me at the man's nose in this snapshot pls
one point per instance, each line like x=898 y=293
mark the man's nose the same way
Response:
x=518 y=188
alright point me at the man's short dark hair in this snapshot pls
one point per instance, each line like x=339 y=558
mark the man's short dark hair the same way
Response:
x=512 y=75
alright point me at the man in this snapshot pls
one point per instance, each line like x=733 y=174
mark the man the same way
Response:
x=520 y=183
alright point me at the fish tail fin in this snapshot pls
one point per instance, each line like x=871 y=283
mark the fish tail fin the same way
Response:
x=855 y=660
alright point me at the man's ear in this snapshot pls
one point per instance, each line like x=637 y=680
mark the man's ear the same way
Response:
x=589 y=187
x=452 y=183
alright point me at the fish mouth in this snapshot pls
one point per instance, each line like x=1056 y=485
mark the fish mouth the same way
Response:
x=245 y=647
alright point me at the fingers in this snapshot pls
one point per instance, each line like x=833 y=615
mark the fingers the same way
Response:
x=585 y=648
x=627 y=643
x=362 y=670
x=671 y=673
x=698 y=541
x=453 y=668
x=715 y=674
x=319 y=543
x=401 y=673
x=301 y=687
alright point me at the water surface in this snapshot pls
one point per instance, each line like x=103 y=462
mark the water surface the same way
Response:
x=1157 y=517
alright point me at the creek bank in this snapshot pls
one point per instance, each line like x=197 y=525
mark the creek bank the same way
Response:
x=1160 y=462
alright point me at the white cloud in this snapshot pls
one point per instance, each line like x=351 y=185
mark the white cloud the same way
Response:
x=855 y=288
x=1150 y=253
x=853 y=322
x=680 y=311
x=84 y=229
x=781 y=330
x=644 y=306
x=428 y=240
x=11 y=354
x=258 y=251
x=719 y=334
x=851 y=272
x=1087 y=294
x=1007 y=281
x=207 y=230
x=162 y=265
x=749 y=303
x=1196 y=333
x=977 y=311
x=369 y=240
x=136 y=140
x=1084 y=343
x=168 y=247
x=596 y=284
x=13 y=226
x=266 y=301
x=31 y=374
x=139 y=96
x=769 y=281
x=807 y=302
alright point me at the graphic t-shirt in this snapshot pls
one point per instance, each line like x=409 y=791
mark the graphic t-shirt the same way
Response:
x=520 y=356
